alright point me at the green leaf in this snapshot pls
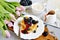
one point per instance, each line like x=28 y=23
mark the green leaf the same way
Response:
x=1 y=24
x=1 y=28
x=3 y=32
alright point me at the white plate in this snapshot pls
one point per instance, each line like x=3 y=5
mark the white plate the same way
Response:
x=31 y=35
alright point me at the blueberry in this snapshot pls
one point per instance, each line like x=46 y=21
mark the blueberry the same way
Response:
x=25 y=19
x=34 y=31
x=27 y=1
x=22 y=0
x=34 y=22
x=30 y=3
x=37 y=26
x=45 y=34
x=30 y=18
x=24 y=3
x=29 y=21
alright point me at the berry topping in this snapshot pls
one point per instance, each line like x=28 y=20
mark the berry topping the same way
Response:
x=30 y=3
x=24 y=31
x=25 y=2
x=28 y=21
x=25 y=19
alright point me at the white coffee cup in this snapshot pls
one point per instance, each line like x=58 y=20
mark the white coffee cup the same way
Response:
x=37 y=8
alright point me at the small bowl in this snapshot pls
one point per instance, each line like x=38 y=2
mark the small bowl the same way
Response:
x=37 y=8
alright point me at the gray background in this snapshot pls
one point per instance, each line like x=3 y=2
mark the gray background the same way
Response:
x=54 y=30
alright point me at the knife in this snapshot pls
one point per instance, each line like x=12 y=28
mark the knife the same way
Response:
x=51 y=25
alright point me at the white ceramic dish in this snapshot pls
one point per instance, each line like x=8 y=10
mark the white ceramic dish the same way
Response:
x=37 y=8
x=31 y=35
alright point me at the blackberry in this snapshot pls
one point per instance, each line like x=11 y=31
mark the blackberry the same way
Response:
x=25 y=19
x=28 y=21
x=30 y=2
x=34 y=22
x=25 y=2
x=45 y=34
x=24 y=32
x=34 y=31
x=37 y=26
x=30 y=18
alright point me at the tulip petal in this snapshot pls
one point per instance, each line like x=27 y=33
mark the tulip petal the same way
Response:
x=18 y=9
x=6 y=21
x=10 y=24
x=17 y=13
x=7 y=34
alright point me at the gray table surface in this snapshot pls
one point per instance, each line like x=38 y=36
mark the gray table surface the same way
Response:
x=14 y=37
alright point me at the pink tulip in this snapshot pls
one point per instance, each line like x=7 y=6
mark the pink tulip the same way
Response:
x=22 y=8
x=12 y=16
x=6 y=21
x=10 y=24
x=7 y=34
x=17 y=13
x=18 y=9
x=12 y=20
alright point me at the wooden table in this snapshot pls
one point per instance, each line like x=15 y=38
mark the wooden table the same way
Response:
x=48 y=37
